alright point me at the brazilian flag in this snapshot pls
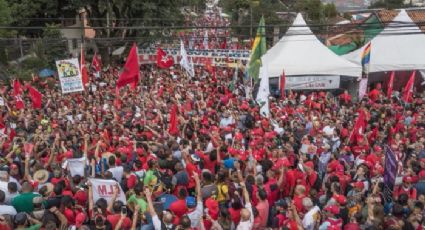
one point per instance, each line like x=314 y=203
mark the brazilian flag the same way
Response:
x=259 y=48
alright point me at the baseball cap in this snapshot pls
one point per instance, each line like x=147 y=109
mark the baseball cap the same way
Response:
x=20 y=218
x=332 y=209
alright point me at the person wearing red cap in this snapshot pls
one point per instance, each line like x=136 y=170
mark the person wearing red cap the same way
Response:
x=406 y=188
x=331 y=220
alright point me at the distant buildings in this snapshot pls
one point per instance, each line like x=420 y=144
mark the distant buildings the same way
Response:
x=345 y=5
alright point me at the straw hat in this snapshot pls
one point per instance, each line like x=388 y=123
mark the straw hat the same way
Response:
x=41 y=176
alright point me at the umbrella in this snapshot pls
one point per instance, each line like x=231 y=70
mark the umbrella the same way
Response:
x=46 y=73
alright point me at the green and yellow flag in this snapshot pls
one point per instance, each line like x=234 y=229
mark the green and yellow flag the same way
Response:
x=259 y=48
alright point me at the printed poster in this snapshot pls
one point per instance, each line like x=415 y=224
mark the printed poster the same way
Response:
x=70 y=75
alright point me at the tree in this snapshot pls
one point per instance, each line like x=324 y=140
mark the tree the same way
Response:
x=39 y=13
x=5 y=18
x=245 y=15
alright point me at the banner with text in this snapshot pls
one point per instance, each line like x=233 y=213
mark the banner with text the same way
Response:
x=312 y=82
x=105 y=189
x=70 y=75
x=218 y=57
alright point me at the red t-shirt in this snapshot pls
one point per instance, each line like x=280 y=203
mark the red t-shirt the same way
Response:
x=179 y=208
x=115 y=218
x=235 y=215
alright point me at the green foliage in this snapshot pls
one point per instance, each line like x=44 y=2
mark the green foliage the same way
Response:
x=5 y=19
x=329 y=10
x=388 y=4
x=54 y=45
x=245 y=15
x=25 y=11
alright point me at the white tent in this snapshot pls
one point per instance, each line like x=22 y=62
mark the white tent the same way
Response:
x=400 y=46
x=299 y=52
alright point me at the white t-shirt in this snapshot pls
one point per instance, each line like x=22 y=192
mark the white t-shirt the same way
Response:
x=196 y=215
x=328 y=130
x=7 y=210
x=247 y=225
x=308 y=220
x=117 y=172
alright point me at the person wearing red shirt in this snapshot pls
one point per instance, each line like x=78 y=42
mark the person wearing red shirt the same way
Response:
x=262 y=208
x=179 y=207
x=406 y=188
x=117 y=209
x=345 y=97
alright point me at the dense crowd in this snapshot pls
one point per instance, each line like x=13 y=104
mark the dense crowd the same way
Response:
x=194 y=153
x=222 y=167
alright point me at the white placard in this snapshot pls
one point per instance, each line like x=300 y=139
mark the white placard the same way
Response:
x=105 y=189
x=312 y=82
x=76 y=166
x=70 y=75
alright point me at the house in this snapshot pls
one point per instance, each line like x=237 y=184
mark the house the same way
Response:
x=82 y=32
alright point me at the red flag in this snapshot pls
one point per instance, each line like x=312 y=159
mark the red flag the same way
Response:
x=17 y=93
x=408 y=89
x=96 y=65
x=390 y=85
x=84 y=74
x=172 y=128
x=282 y=85
x=130 y=73
x=162 y=60
x=36 y=97
x=359 y=126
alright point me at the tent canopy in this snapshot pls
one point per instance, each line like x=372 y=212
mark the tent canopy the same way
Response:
x=299 y=52
x=400 y=46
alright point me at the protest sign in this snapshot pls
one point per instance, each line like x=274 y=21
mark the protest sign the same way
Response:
x=217 y=57
x=70 y=75
x=105 y=189
x=76 y=166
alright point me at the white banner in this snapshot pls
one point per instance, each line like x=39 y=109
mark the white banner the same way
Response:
x=312 y=82
x=105 y=189
x=70 y=75
x=76 y=166
x=218 y=57
x=362 y=88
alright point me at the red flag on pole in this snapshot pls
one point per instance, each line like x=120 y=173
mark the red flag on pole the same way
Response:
x=36 y=97
x=84 y=74
x=390 y=85
x=162 y=60
x=359 y=126
x=130 y=73
x=17 y=93
x=408 y=89
x=282 y=85
x=172 y=128
x=96 y=65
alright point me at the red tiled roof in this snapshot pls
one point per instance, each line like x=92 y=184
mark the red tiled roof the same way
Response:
x=387 y=16
x=418 y=16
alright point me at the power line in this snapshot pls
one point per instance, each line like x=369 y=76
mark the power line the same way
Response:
x=393 y=24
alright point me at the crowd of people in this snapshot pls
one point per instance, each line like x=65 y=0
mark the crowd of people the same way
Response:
x=223 y=166
x=195 y=154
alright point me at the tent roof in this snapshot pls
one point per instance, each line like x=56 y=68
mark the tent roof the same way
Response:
x=400 y=46
x=299 y=52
